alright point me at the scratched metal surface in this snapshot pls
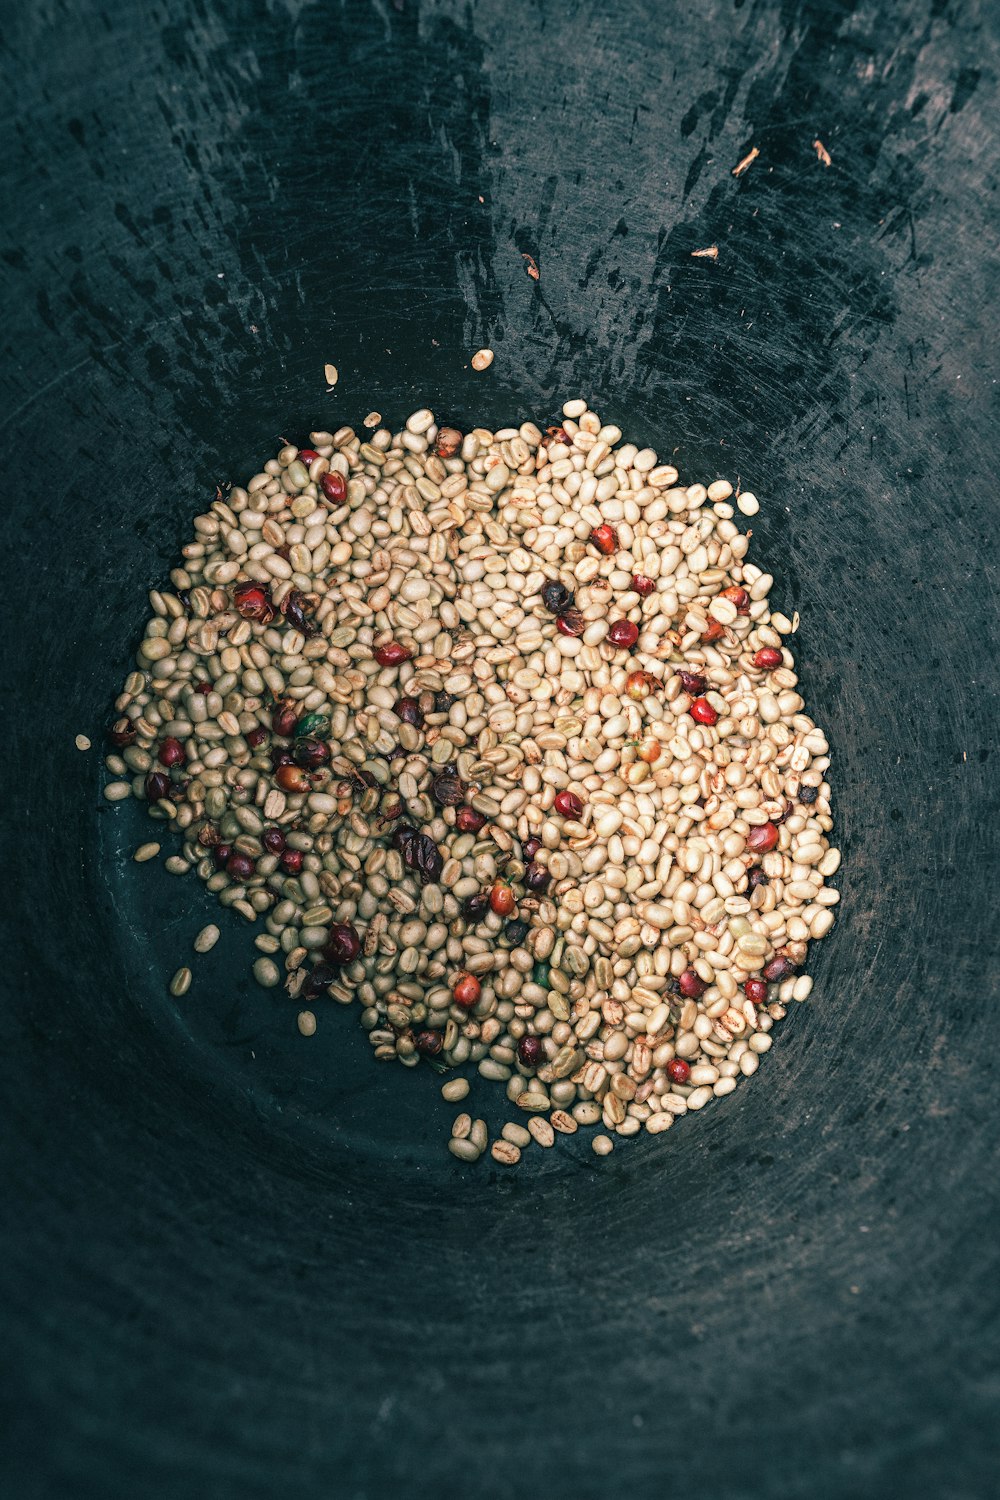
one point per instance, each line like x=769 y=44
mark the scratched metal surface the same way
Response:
x=238 y=1264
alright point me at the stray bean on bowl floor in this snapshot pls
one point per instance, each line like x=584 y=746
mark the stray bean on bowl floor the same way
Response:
x=494 y=735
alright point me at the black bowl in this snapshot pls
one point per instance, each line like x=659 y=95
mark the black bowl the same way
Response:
x=241 y=1264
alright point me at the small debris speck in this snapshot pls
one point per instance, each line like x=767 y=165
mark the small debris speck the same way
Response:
x=822 y=153
x=482 y=359
x=81 y=742
x=532 y=266
x=373 y=419
x=332 y=374
x=747 y=161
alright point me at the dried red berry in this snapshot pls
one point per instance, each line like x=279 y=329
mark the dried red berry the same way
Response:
x=757 y=877
x=623 y=634
x=762 y=838
x=639 y=685
x=536 y=877
x=253 y=600
x=703 y=712
x=571 y=623
x=530 y=1051
x=308 y=456
x=240 y=866
x=467 y=820
x=642 y=585
x=502 y=898
x=334 y=486
x=767 y=658
x=449 y=440
x=605 y=539
x=739 y=597
x=713 y=631
x=342 y=944
x=530 y=848
x=779 y=968
x=467 y=991
x=391 y=654
x=556 y=435
x=255 y=737
x=691 y=985
x=756 y=991
x=273 y=840
x=220 y=855
x=292 y=778
x=678 y=1071
x=291 y=861
x=569 y=804
x=692 y=682
x=171 y=752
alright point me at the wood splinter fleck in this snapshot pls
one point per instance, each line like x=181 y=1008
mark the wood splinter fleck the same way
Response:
x=750 y=157
x=532 y=266
x=711 y=253
x=822 y=153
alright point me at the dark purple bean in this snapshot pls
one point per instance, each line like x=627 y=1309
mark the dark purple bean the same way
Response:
x=319 y=979
x=447 y=790
x=477 y=906
x=556 y=597
x=408 y=709
x=428 y=1043
x=343 y=944
x=310 y=754
x=157 y=785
